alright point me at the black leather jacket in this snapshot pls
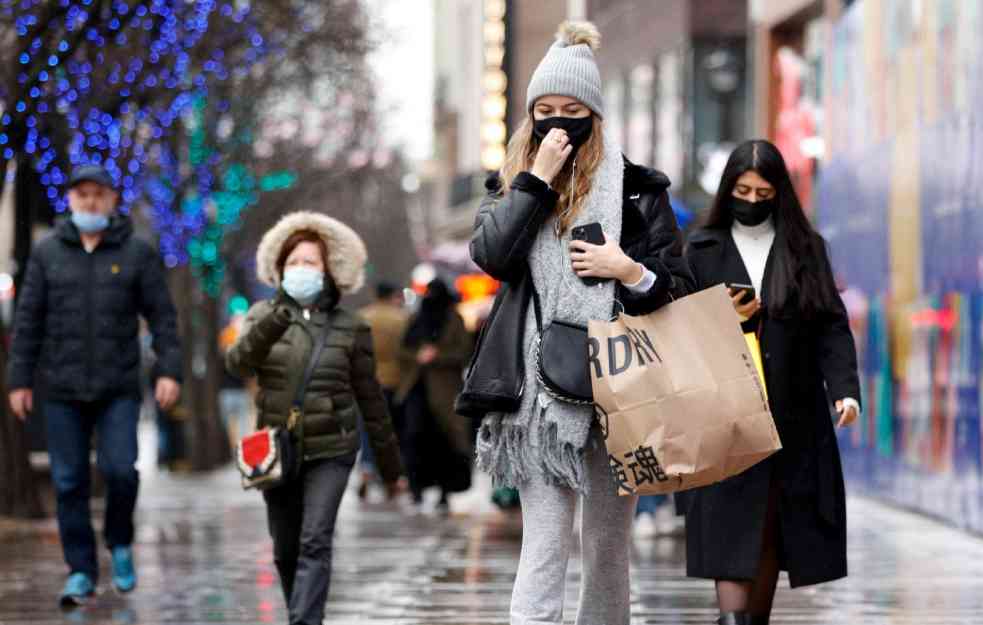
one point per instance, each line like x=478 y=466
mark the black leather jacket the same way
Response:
x=505 y=229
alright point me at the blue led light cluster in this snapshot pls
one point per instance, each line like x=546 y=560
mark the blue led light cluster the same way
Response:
x=111 y=83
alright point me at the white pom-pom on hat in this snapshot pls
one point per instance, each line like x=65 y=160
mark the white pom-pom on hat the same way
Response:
x=574 y=33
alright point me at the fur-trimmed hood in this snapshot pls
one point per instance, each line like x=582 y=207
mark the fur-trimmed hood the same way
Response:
x=346 y=251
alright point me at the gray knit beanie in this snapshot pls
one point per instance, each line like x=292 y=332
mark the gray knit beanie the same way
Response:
x=569 y=68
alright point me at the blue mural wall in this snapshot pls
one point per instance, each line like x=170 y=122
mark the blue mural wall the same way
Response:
x=900 y=200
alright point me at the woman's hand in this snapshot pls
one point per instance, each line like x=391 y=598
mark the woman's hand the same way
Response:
x=744 y=311
x=426 y=354
x=554 y=150
x=604 y=261
x=848 y=413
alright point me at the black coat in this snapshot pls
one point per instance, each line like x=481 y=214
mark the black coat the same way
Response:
x=803 y=359
x=77 y=323
x=505 y=229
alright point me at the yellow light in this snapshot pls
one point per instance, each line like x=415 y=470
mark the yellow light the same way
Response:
x=494 y=80
x=493 y=132
x=492 y=157
x=494 y=55
x=494 y=32
x=494 y=9
x=494 y=106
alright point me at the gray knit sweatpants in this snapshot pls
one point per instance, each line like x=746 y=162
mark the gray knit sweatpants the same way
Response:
x=547 y=539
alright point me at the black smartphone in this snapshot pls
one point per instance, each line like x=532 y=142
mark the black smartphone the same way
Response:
x=591 y=233
x=748 y=289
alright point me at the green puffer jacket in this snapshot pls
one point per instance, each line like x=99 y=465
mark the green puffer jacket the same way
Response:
x=275 y=345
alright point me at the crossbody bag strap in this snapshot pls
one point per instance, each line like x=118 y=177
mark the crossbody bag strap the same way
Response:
x=297 y=407
x=536 y=305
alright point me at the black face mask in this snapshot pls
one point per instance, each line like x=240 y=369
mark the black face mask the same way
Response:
x=578 y=129
x=752 y=213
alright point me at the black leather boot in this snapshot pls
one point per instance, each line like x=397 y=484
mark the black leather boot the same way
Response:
x=734 y=618
x=759 y=620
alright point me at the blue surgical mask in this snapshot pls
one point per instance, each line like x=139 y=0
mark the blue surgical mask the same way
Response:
x=303 y=284
x=90 y=222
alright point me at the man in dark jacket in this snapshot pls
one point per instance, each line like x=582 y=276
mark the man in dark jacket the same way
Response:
x=76 y=338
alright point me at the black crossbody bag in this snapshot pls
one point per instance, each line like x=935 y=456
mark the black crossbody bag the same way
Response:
x=562 y=367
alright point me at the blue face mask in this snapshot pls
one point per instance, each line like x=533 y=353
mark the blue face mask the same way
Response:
x=303 y=284
x=89 y=222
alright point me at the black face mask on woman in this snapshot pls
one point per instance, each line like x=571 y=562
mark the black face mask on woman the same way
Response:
x=578 y=129
x=752 y=213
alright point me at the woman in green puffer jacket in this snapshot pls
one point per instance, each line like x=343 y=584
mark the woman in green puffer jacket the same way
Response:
x=312 y=260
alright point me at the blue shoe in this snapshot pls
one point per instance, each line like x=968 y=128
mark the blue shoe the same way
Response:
x=78 y=589
x=124 y=575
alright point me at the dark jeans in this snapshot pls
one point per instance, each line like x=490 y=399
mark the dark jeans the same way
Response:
x=301 y=516
x=70 y=426
x=650 y=503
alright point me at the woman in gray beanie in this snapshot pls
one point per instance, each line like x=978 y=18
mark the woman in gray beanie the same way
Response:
x=563 y=172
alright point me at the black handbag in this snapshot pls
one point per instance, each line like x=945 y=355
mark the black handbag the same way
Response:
x=272 y=457
x=562 y=367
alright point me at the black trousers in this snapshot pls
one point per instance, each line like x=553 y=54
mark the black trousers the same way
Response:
x=301 y=516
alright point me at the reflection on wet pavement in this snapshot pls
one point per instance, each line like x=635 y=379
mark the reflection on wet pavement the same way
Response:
x=204 y=557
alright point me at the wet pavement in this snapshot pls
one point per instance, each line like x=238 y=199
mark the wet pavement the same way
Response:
x=203 y=556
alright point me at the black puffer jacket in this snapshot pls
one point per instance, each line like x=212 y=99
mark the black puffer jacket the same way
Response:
x=77 y=319
x=505 y=229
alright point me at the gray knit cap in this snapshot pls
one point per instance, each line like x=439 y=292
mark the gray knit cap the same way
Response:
x=569 y=68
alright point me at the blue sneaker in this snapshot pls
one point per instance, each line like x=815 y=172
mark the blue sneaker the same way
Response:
x=78 y=589
x=124 y=575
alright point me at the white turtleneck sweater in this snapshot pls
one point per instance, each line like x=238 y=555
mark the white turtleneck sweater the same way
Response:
x=754 y=245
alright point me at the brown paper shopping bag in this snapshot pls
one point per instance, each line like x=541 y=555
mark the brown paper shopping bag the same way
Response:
x=679 y=396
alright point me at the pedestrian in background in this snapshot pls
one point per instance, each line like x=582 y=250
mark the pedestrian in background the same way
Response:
x=76 y=335
x=387 y=317
x=788 y=512
x=562 y=170
x=656 y=515
x=435 y=350
x=312 y=260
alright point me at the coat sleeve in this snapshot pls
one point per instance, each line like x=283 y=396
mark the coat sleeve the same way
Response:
x=157 y=308
x=507 y=225
x=29 y=327
x=372 y=404
x=262 y=328
x=837 y=349
x=455 y=348
x=663 y=256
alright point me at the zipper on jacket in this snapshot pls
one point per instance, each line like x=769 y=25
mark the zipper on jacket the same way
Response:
x=90 y=330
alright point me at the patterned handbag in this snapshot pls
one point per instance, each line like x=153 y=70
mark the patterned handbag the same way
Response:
x=271 y=457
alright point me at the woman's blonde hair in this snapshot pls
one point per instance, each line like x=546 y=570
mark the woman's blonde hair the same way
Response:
x=579 y=169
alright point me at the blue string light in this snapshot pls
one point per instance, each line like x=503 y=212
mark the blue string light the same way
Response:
x=128 y=140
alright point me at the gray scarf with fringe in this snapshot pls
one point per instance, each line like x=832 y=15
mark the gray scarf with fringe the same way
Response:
x=546 y=438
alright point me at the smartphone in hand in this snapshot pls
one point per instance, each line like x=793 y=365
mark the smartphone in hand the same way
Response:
x=749 y=292
x=591 y=233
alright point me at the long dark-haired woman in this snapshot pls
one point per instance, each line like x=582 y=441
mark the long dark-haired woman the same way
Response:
x=788 y=512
